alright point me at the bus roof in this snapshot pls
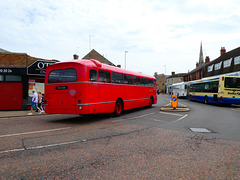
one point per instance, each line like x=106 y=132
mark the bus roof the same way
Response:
x=92 y=63
x=213 y=78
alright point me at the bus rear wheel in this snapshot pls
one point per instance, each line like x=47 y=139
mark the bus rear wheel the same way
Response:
x=118 y=108
x=206 y=100
x=150 y=102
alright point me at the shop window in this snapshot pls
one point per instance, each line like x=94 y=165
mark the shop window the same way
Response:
x=1 y=78
x=13 y=78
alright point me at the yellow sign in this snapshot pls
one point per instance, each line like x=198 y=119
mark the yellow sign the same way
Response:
x=174 y=101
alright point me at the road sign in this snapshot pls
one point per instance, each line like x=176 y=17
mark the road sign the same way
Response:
x=174 y=101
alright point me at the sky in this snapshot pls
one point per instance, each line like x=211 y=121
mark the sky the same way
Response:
x=159 y=36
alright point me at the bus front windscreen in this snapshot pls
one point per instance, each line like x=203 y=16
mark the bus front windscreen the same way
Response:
x=232 y=82
x=62 y=75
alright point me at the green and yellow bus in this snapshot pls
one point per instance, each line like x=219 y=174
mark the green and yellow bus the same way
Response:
x=222 y=89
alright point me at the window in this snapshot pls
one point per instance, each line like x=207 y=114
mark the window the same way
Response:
x=144 y=82
x=237 y=60
x=210 y=68
x=128 y=79
x=62 y=75
x=210 y=87
x=93 y=75
x=104 y=76
x=227 y=63
x=137 y=81
x=117 y=78
x=218 y=66
x=1 y=78
x=13 y=78
x=231 y=82
x=150 y=82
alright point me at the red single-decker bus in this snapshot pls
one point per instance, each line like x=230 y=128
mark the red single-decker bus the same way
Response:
x=88 y=87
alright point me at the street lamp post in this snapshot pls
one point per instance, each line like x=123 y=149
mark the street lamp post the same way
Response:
x=165 y=68
x=126 y=59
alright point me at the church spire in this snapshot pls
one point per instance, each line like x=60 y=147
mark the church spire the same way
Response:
x=200 y=55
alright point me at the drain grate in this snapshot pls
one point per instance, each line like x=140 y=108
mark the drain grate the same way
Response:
x=200 y=130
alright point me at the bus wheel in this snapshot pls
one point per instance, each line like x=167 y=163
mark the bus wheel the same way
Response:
x=118 y=108
x=190 y=97
x=150 y=102
x=206 y=100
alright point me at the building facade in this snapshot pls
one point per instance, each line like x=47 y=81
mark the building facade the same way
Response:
x=19 y=74
x=161 y=82
x=228 y=63
x=174 y=78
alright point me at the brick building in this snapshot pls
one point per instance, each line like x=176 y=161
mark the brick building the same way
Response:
x=161 y=82
x=19 y=74
x=228 y=63
x=174 y=78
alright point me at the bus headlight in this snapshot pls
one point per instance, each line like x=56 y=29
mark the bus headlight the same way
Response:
x=80 y=107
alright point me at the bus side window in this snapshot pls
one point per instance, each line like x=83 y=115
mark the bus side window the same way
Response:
x=117 y=78
x=93 y=75
x=137 y=81
x=104 y=76
x=150 y=82
x=128 y=79
x=144 y=82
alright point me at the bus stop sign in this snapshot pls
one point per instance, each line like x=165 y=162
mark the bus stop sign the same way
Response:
x=174 y=101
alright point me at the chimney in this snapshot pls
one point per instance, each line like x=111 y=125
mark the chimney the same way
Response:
x=173 y=73
x=207 y=59
x=222 y=51
x=197 y=64
x=75 y=56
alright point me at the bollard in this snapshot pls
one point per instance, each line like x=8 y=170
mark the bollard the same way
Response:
x=174 y=101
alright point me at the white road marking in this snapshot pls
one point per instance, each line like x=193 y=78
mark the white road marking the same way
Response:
x=53 y=145
x=171 y=113
x=159 y=120
x=132 y=117
x=237 y=109
x=178 y=119
x=12 y=150
x=41 y=147
x=34 y=132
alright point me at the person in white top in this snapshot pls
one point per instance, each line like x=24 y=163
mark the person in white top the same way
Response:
x=35 y=102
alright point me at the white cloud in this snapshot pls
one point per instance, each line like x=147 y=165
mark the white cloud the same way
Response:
x=155 y=33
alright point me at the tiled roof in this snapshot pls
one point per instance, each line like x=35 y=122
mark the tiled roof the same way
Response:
x=4 y=51
x=93 y=54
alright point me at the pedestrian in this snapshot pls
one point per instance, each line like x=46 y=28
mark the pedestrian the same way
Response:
x=34 y=102
x=40 y=102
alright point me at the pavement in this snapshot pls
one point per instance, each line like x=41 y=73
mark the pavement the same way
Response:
x=20 y=113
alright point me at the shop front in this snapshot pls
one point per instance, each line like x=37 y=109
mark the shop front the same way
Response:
x=17 y=83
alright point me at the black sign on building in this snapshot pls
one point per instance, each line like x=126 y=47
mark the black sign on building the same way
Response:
x=38 y=67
